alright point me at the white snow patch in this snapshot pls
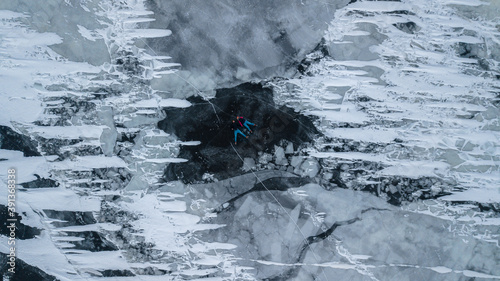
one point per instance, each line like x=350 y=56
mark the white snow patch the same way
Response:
x=485 y=194
x=87 y=34
x=166 y=160
x=68 y=132
x=341 y=116
x=25 y=167
x=6 y=14
x=79 y=163
x=474 y=3
x=44 y=255
x=350 y=156
x=440 y=269
x=27 y=65
x=367 y=134
x=190 y=143
x=59 y=199
x=99 y=260
x=148 y=33
x=155 y=103
x=470 y=273
x=416 y=169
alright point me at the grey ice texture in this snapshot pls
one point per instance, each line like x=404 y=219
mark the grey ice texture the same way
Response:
x=236 y=41
x=402 y=96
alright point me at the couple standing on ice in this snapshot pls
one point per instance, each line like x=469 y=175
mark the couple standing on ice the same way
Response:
x=239 y=124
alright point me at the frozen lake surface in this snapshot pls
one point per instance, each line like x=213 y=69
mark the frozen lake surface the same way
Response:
x=376 y=155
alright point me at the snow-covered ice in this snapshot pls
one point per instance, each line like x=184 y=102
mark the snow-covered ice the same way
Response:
x=402 y=181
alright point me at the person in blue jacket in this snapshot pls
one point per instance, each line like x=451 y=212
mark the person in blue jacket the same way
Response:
x=244 y=122
x=236 y=126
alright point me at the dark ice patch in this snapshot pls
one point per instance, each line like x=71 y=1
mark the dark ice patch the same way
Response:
x=116 y=273
x=11 y=140
x=400 y=12
x=70 y=218
x=65 y=108
x=471 y=50
x=209 y=121
x=23 y=231
x=371 y=14
x=40 y=183
x=128 y=63
x=399 y=189
x=92 y=241
x=408 y=27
